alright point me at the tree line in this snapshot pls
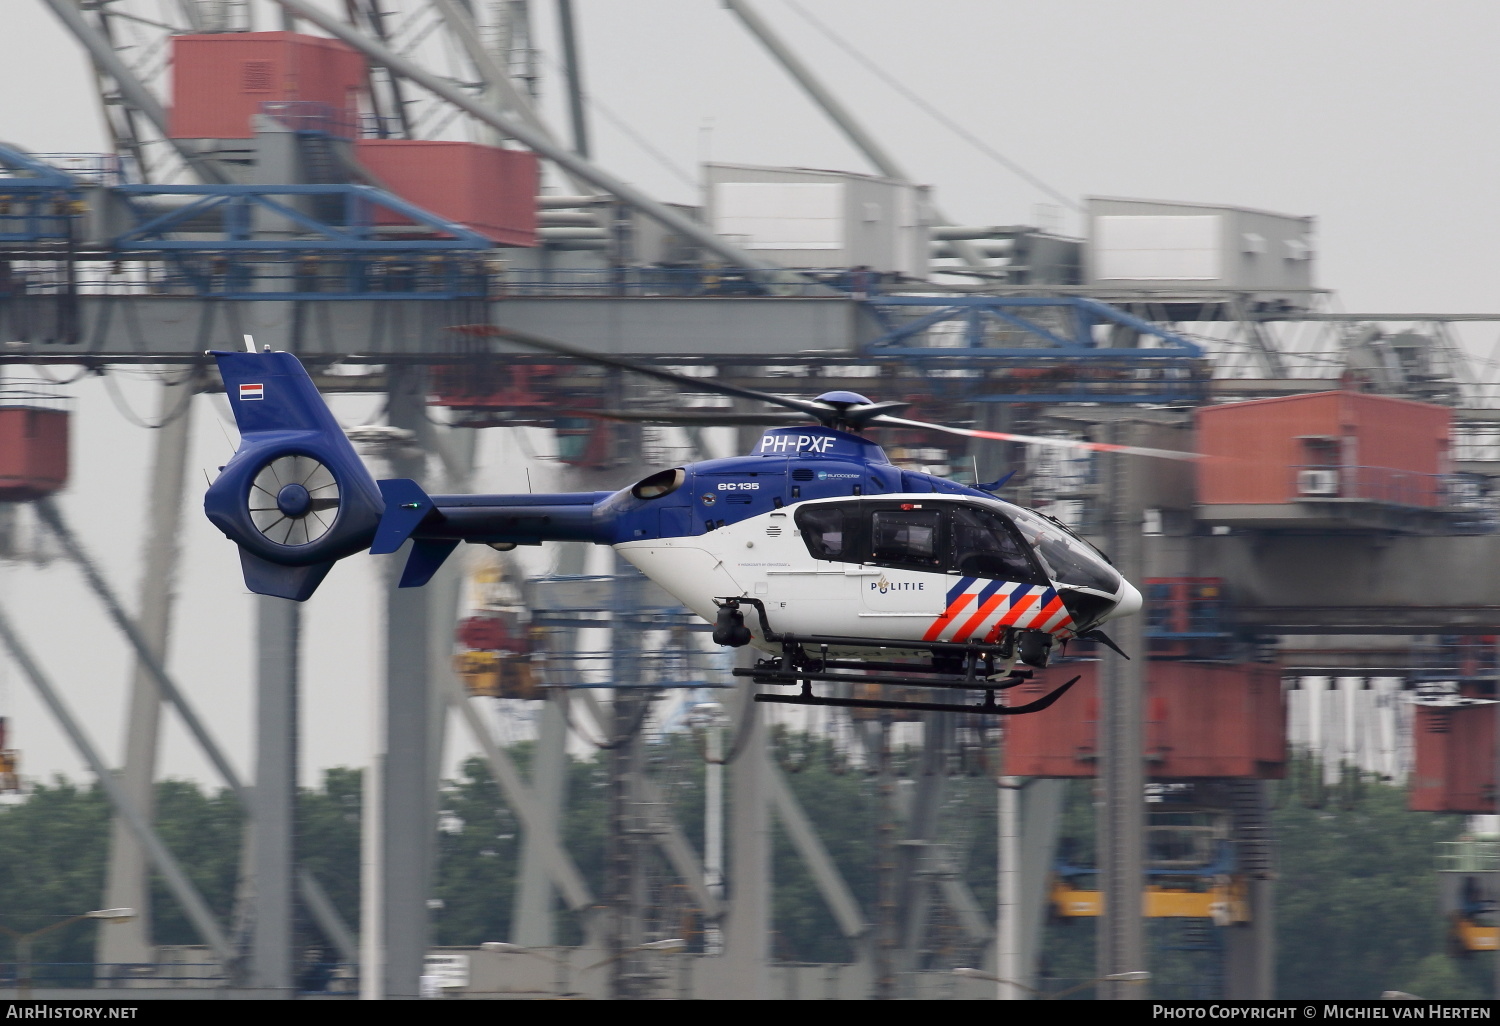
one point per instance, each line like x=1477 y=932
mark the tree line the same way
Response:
x=1356 y=889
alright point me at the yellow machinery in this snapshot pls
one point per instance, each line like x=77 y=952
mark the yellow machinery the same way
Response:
x=1469 y=893
x=1223 y=901
x=1190 y=872
x=495 y=645
x=1468 y=935
x=496 y=674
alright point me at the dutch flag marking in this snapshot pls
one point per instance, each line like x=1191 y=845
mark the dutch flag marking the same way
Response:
x=248 y=392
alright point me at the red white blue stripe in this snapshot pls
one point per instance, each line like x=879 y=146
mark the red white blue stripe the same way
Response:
x=978 y=610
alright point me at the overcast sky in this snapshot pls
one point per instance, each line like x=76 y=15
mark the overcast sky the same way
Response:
x=1373 y=116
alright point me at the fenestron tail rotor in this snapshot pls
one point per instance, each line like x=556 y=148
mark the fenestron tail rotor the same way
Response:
x=294 y=500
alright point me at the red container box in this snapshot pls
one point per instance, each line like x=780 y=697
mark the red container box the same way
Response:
x=1202 y=720
x=1455 y=760
x=33 y=453
x=219 y=81
x=1376 y=448
x=489 y=189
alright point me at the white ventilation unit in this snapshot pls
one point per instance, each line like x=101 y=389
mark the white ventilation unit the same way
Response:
x=1150 y=241
x=1156 y=247
x=1317 y=482
x=798 y=217
x=781 y=215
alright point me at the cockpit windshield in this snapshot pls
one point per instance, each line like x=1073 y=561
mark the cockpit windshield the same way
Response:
x=1068 y=558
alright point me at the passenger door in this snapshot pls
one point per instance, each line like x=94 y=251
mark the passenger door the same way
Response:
x=815 y=592
x=903 y=573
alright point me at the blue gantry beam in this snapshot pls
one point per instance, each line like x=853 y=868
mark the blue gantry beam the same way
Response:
x=299 y=242
x=238 y=206
x=250 y=242
x=977 y=313
x=37 y=201
x=1040 y=350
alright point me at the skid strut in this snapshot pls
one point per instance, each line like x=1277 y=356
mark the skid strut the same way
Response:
x=805 y=658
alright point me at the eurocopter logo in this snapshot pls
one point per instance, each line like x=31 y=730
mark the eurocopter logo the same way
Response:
x=797 y=443
x=883 y=586
x=824 y=475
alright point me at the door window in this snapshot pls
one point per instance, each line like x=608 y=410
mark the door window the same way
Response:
x=937 y=537
x=827 y=530
x=908 y=538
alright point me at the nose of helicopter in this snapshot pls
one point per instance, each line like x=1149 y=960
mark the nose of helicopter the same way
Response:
x=1130 y=602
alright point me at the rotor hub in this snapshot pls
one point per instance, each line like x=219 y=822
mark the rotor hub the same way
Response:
x=842 y=400
x=294 y=501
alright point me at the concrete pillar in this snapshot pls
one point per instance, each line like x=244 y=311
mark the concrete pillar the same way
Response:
x=275 y=795
x=915 y=892
x=1041 y=808
x=549 y=783
x=747 y=927
x=1008 y=961
x=747 y=933
x=623 y=850
x=127 y=882
x=372 y=877
x=1250 y=948
x=1122 y=814
x=405 y=801
x=886 y=900
x=455 y=449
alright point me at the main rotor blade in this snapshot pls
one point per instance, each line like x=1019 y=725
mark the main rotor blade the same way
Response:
x=551 y=345
x=693 y=418
x=1061 y=443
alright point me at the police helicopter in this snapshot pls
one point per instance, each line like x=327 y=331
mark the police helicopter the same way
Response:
x=814 y=549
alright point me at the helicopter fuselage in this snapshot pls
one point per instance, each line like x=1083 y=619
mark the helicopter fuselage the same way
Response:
x=820 y=529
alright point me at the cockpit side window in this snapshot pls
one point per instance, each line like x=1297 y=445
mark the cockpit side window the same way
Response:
x=909 y=538
x=986 y=546
x=828 y=531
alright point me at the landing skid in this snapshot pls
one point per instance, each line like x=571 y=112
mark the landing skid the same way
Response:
x=769 y=672
x=986 y=708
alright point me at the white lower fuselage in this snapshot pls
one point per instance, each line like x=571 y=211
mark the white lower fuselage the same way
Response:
x=765 y=558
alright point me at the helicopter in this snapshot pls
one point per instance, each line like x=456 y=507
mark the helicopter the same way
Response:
x=814 y=550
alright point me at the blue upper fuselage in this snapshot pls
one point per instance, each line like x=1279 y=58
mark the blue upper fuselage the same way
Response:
x=789 y=465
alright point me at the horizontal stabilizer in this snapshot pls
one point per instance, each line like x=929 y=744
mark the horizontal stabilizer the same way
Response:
x=997 y=484
x=289 y=582
x=406 y=506
x=426 y=556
